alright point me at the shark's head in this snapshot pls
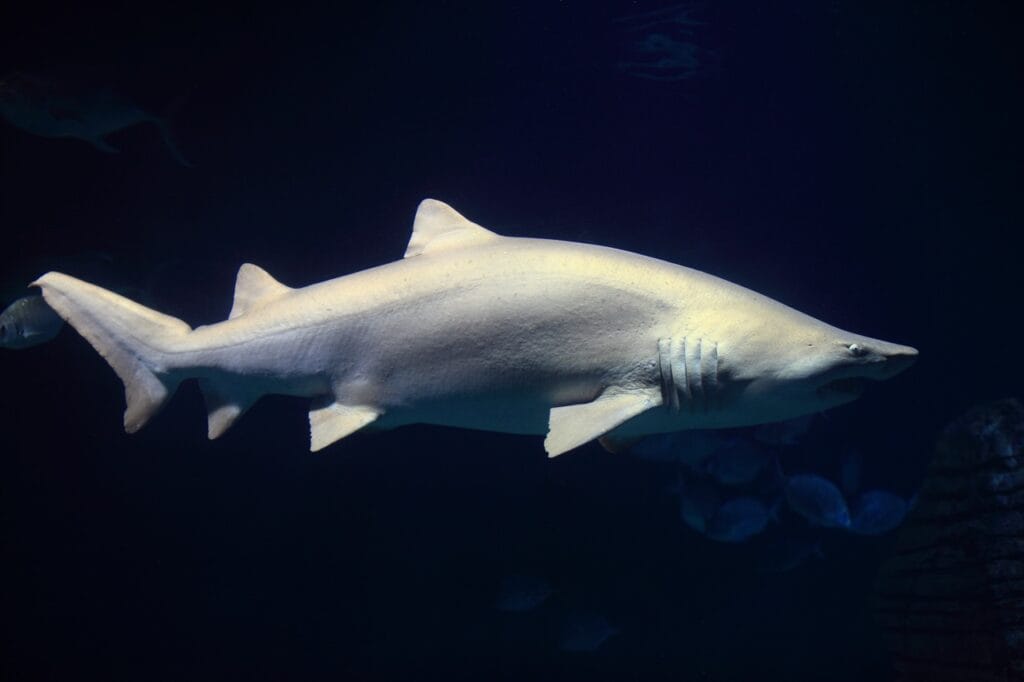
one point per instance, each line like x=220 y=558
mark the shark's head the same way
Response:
x=792 y=364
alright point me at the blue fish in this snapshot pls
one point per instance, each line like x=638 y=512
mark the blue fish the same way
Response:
x=28 y=322
x=738 y=520
x=851 y=466
x=784 y=433
x=662 y=44
x=585 y=632
x=522 y=593
x=699 y=500
x=817 y=500
x=739 y=463
x=876 y=512
x=788 y=553
x=47 y=108
x=689 y=447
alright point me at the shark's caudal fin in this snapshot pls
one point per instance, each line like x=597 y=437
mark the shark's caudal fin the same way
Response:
x=132 y=338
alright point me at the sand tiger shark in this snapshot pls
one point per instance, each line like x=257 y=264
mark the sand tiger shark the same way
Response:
x=477 y=330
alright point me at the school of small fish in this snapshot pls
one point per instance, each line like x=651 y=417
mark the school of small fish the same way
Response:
x=732 y=489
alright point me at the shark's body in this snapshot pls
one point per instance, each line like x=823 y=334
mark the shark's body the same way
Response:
x=481 y=331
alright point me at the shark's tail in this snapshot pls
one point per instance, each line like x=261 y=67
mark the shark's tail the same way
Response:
x=135 y=340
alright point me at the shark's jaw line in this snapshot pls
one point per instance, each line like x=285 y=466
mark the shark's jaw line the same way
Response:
x=477 y=330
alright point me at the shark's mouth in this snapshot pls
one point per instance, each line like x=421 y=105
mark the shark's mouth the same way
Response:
x=849 y=387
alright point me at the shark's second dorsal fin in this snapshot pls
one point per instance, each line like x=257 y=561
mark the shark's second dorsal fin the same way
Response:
x=439 y=227
x=253 y=288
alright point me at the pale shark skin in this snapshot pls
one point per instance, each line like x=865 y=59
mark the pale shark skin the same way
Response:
x=476 y=330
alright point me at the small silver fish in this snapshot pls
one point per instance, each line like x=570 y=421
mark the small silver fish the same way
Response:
x=28 y=322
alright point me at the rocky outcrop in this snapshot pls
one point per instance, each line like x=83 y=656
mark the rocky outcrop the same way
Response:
x=950 y=599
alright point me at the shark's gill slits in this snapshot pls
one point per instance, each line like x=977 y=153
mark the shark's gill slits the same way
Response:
x=709 y=374
x=689 y=373
x=679 y=368
x=693 y=361
x=669 y=396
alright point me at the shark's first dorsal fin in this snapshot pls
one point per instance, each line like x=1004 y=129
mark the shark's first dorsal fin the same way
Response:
x=253 y=288
x=439 y=227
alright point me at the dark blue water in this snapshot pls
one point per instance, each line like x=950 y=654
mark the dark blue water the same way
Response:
x=860 y=162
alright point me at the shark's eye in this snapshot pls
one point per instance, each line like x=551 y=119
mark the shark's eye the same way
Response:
x=857 y=350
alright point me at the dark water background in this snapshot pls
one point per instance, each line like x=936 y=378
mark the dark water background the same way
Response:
x=859 y=161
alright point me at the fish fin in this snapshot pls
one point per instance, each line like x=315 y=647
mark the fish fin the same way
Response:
x=333 y=421
x=168 y=140
x=439 y=227
x=616 y=444
x=573 y=425
x=223 y=406
x=103 y=145
x=254 y=287
x=133 y=339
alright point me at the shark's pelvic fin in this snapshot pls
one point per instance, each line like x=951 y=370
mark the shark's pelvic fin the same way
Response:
x=132 y=338
x=333 y=421
x=254 y=287
x=439 y=227
x=573 y=425
x=223 y=406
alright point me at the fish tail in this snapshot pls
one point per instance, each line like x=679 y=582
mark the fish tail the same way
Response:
x=172 y=147
x=136 y=341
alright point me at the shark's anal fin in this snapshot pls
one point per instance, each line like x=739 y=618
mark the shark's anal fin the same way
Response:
x=573 y=425
x=223 y=406
x=439 y=227
x=331 y=421
x=254 y=287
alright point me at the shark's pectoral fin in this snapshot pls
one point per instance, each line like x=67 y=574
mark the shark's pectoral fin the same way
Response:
x=330 y=422
x=573 y=425
x=223 y=406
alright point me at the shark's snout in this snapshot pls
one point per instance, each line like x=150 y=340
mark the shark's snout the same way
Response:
x=897 y=359
x=875 y=361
